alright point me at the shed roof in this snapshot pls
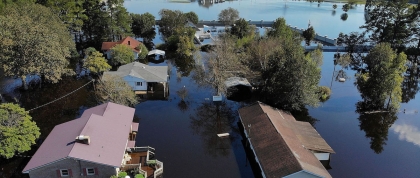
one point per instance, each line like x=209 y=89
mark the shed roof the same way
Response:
x=143 y=71
x=107 y=125
x=131 y=42
x=279 y=142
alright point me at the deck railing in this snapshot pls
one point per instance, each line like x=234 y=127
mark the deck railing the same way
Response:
x=141 y=149
x=159 y=168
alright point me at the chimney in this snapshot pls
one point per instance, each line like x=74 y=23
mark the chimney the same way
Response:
x=83 y=139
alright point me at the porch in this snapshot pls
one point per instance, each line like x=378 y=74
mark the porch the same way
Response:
x=137 y=161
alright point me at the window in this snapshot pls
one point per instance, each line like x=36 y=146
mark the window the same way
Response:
x=139 y=83
x=64 y=172
x=90 y=171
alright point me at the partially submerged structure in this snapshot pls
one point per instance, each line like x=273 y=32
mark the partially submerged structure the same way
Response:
x=100 y=144
x=142 y=77
x=282 y=146
x=238 y=88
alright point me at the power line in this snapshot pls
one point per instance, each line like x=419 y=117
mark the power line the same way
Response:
x=61 y=97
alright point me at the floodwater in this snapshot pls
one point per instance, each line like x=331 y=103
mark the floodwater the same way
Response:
x=184 y=132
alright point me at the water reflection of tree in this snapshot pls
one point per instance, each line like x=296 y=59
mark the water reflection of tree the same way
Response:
x=410 y=85
x=211 y=119
x=185 y=65
x=375 y=125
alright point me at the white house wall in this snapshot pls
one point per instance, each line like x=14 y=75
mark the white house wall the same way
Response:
x=322 y=156
x=132 y=82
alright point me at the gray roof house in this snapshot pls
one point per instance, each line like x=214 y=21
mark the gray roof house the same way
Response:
x=139 y=75
x=282 y=146
x=97 y=144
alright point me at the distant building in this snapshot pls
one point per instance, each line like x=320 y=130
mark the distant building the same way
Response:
x=99 y=144
x=142 y=77
x=128 y=41
x=284 y=147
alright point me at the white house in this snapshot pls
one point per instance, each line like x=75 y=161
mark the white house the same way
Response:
x=130 y=42
x=139 y=76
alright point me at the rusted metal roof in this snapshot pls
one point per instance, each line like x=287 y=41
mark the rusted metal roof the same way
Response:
x=282 y=144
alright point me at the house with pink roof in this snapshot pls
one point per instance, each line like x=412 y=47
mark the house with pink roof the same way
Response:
x=100 y=143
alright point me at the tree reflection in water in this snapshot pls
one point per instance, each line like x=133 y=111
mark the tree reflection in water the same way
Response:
x=211 y=119
x=376 y=126
x=410 y=85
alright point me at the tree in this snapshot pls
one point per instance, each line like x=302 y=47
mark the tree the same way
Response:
x=380 y=83
x=95 y=26
x=228 y=16
x=17 y=130
x=241 y=28
x=309 y=35
x=114 y=89
x=223 y=62
x=121 y=54
x=95 y=61
x=334 y=6
x=70 y=12
x=346 y=7
x=291 y=79
x=390 y=21
x=192 y=17
x=120 y=20
x=142 y=24
x=34 y=41
x=143 y=51
x=170 y=20
x=280 y=29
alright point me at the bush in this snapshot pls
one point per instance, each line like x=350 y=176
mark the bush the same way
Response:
x=324 y=93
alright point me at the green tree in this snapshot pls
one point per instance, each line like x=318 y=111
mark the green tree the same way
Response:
x=192 y=17
x=95 y=26
x=280 y=29
x=143 y=51
x=390 y=21
x=309 y=35
x=121 y=54
x=334 y=6
x=142 y=24
x=346 y=7
x=95 y=62
x=380 y=83
x=241 y=28
x=120 y=20
x=17 y=130
x=170 y=20
x=114 y=89
x=70 y=12
x=228 y=16
x=291 y=79
x=34 y=41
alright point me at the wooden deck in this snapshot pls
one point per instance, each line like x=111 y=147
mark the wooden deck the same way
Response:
x=141 y=157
